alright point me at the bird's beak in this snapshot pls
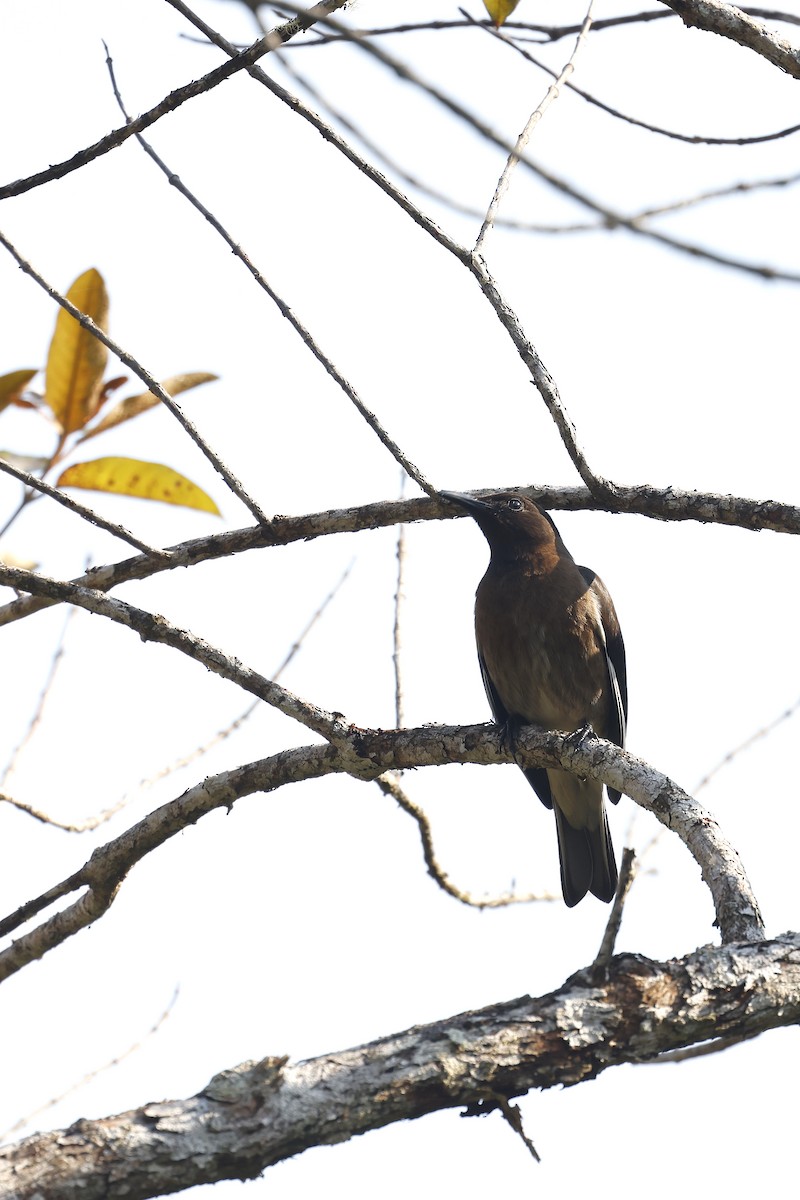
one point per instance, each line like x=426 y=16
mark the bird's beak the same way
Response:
x=471 y=503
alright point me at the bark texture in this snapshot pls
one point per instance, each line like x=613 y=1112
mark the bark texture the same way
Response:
x=259 y=1113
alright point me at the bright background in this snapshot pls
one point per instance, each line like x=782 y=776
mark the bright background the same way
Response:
x=305 y=922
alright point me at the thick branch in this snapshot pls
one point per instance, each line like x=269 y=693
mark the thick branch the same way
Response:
x=730 y=22
x=366 y=754
x=662 y=504
x=261 y=1113
x=152 y=627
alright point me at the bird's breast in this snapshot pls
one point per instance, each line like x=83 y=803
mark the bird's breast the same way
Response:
x=542 y=642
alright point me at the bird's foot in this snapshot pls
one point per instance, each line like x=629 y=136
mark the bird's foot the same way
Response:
x=580 y=735
x=509 y=732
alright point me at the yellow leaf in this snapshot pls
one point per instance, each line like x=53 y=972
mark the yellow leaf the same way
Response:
x=13 y=384
x=76 y=360
x=131 y=477
x=131 y=406
x=500 y=10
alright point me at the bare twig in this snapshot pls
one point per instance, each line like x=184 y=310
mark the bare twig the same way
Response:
x=80 y=510
x=533 y=120
x=397 y=631
x=154 y=628
x=551 y=33
x=544 y=383
x=390 y=786
x=717 y=194
x=627 y=874
x=746 y=744
x=279 y=302
x=185 y=760
x=610 y=218
x=36 y=716
x=510 y=1113
x=692 y=139
x=76 y=1087
x=197 y=87
x=83 y=826
x=541 y=376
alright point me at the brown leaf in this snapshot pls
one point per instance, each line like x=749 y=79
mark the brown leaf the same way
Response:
x=132 y=406
x=13 y=384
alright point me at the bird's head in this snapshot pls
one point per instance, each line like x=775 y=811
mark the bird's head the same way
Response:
x=511 y=523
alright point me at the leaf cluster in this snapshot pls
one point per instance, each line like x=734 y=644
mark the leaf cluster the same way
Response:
x=76 y=393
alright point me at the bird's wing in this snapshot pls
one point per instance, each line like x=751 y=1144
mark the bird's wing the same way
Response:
x=495 y=703
x=615 y=662
x=536 y=776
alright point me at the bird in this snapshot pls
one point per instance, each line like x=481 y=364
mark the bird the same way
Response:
x=551 y=654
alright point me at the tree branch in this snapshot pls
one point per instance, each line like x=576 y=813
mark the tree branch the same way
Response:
x=730 y=22
x=152 y=627
x=661 y=504
x=260 y=1113
x=196 y=87
x=366 y=754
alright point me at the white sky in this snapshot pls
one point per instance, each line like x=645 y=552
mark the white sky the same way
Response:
x=304 y=922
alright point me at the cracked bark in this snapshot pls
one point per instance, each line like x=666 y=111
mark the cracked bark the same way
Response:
x=259 y=1113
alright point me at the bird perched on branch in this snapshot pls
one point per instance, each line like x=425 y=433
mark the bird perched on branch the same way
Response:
x=551 y=654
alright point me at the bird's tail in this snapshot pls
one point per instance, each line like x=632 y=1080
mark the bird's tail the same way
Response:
x=587 y=859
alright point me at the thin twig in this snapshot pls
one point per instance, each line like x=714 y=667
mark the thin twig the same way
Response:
x=390 y=786
x=147 y=379
x=39 y=814
x=89 y=823
x=36 y=716
x=510 y=1113
x=533 y=120
x=627 y=874
x=598 y=485
x=397 y=631
x=281 y=304
x=611 y=218
x=197 y=87
x=90 y=1075
x=80 y=510
x=551 y=33
x=152 y=627
x=746 y=744
x=692 y=139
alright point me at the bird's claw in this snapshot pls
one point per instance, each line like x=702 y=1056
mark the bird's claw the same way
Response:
x=580 y=735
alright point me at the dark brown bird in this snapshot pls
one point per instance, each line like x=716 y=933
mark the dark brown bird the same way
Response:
x=551 y=654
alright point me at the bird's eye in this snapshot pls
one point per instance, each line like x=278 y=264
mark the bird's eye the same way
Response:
x=514 y=503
